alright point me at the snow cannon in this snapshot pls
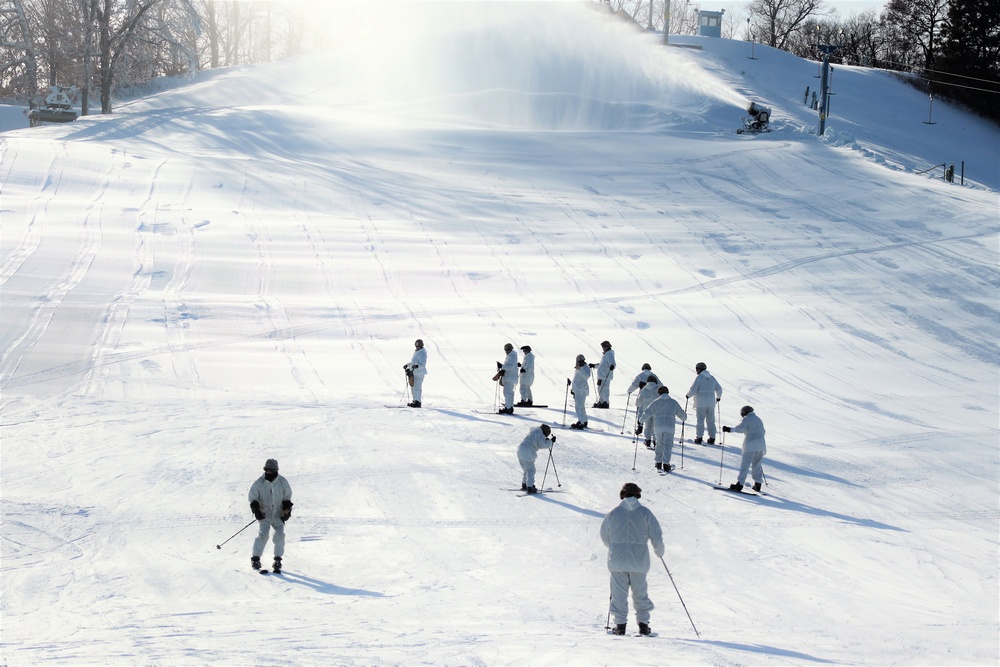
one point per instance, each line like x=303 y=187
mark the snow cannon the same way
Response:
x=58 y=108
x=757 y=119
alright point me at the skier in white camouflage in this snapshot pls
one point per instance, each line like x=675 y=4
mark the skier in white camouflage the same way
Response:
x=647 y=395
x=580 y=388
x=605 y=373
x=706 y=393
x=637 y=384
x=754 y=448
x=664 y=413
x=527 y=378
x=625 y=531
x=271 y=503
x=508 y=378
x=415 y=372
x=527 y=454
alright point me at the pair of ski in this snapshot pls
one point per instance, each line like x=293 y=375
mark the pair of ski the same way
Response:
x=523 y=493
x=744 y=491
x=635 y=634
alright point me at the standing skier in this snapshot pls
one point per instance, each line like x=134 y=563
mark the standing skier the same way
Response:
x=507 y=376
x=580 y=389
x=637 y=384
x=647 y=395
x=625 y=531
x=271 y=502
x=527 y=376
x=754 y=447
x=664 y=413
x=605 y=372
x=415 y=372
x=527 y=453
x=706 y=393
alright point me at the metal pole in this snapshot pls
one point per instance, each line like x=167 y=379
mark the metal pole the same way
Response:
x=679 y=596
x=722 y=455
x=566 y=402
x=252 y=522
x=627 y=401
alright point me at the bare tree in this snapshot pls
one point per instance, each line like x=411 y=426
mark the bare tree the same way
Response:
x=18 y=62
x=777 y=20
x=917 y=25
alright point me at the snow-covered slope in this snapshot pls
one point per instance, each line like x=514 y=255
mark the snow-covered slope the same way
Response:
x=236 y=269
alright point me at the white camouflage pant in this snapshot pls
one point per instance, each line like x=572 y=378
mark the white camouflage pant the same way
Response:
x=264 y=529
x=620 y=584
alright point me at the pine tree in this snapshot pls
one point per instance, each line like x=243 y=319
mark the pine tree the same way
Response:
x=969 y=66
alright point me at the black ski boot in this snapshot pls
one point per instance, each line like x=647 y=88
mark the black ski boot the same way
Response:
x=577 y=426
x=697 y=441
x=619 y=629
x=531 y=490
x=659 y=466
x=644 y=629
x=255 y=562
x=277 y=565
x=413 y=404
x=668 y=468
x=524 y=487
x=711 y=441
x=756 y=486
x=736 y=487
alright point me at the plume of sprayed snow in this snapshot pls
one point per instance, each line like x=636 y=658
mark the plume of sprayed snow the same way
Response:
x=539 y=65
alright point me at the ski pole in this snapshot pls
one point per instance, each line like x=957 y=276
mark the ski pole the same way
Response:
x=722 y=455
x=636 y=455
x=762 y=474
x=684 y=423
x=558 y=483
x=679 y=595
x=566 y=402
x=627 y=401
x=496 y=395
x=546 y=468
x=252 y=522
x=406 y=390
x=682 y=450
x=607 y=626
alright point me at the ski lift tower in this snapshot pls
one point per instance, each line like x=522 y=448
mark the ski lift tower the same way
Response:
x=824 y=85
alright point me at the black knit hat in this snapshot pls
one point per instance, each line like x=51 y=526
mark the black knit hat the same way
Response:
x=630 y=490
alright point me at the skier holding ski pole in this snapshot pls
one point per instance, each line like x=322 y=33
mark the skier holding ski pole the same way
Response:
x=625 y=531
x=527 y=454
x=706 y=392
x=271 y=503
x=754 y=448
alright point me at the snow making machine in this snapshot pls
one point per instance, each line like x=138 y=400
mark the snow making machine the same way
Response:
x=57 y=108
x=757 y=119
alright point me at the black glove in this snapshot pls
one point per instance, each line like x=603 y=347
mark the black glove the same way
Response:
x=568 y=383
x=409 y=372
x=592 y=365
x=255 y=508
x=611 y=367
x=599 y=382
x=524 y=370
x=499 y=365
x=717 y=400
x=553 y=438
x=572 y=393
x=406 y=367
x=725 y=429
x=286 y=510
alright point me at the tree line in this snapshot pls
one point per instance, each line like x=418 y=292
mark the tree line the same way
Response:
x=949 y=47
x=103 y=46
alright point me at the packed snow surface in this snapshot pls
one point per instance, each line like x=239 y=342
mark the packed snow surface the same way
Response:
x=236 y=268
